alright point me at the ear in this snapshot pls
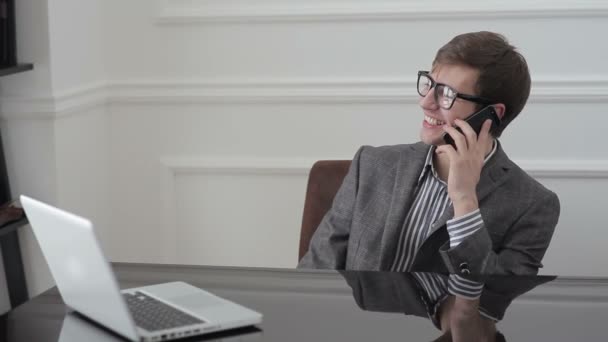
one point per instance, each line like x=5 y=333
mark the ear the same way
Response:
x=500 y=109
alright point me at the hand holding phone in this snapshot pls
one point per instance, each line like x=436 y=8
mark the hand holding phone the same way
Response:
x=476 y=121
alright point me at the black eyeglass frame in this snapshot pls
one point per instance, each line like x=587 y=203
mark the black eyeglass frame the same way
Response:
x=434 y=84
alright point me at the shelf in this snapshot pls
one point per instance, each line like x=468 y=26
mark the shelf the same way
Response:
x=15 y=69
x=12 y=226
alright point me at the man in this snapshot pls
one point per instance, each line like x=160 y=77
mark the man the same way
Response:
x=430 y=207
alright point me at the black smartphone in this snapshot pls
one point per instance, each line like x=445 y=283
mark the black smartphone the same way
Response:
x=476 y=121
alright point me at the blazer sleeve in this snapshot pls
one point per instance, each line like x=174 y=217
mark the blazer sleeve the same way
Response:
x=521 y=251
x=328 y=245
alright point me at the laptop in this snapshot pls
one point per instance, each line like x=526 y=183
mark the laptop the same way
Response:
x=87 y=284
x=76 y=328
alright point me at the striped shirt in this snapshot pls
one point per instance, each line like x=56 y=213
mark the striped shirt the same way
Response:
x=430 y=203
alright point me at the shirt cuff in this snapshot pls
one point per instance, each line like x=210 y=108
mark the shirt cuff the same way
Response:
x=464 y=288
x=461 y=227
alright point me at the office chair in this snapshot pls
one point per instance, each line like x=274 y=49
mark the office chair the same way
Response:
x=324 y=180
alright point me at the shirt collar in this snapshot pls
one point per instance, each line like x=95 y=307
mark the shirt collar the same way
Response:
x=428 y=163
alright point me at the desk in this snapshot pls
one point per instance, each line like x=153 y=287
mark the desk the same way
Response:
x=319 y=306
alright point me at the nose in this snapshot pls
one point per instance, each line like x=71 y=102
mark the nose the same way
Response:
x=428 y=101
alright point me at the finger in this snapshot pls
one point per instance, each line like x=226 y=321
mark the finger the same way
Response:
x=468 y=131
x=448 y=150
x=459 y=139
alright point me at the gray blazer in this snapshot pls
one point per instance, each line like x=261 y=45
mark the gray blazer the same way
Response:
x=360 y=230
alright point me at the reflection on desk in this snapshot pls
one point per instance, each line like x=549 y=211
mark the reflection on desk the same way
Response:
x=416 y=294
x=321 y=306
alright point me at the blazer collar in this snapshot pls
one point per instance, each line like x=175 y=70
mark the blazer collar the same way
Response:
x=494 y=172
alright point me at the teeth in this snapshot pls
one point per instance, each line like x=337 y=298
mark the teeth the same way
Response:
x=433 y=121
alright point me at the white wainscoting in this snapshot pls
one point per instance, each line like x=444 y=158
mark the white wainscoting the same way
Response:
x=197 y=193
x=227 y=189
x=214 y=144
x=218 y=210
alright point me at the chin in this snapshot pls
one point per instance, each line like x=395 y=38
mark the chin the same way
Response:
x=431 y=140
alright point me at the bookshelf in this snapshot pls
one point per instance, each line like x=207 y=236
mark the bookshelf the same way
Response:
x=5 y=71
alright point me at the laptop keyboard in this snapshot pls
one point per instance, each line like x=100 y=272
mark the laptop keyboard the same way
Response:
x=152 y=314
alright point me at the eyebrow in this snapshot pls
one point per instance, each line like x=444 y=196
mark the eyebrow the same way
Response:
x=451 y=86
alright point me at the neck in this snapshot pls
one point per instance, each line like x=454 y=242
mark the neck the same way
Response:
x=441 y=163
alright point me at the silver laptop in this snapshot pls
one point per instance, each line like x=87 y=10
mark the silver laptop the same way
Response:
x=87 y=284
x=76 y=329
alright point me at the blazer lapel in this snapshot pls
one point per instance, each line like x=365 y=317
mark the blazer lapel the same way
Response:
x=406 y=181
x=494 y=174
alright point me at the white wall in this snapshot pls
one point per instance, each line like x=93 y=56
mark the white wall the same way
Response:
x=217 y=94
x=186 y=128
x=54 y=128
x=76 y=44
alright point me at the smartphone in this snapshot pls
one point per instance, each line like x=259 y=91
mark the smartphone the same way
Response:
x=476 y=121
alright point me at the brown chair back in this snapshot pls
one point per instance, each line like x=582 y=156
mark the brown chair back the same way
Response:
x=324 y=180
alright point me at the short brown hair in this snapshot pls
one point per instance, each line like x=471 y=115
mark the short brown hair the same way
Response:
x=503 y=72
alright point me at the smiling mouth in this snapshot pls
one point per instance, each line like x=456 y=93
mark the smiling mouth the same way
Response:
x=433 y=121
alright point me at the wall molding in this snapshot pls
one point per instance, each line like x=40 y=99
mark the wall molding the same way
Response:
x=269 y=91
x=565 y=169
x=329 y=90
x=236 y=165
x=561 y=168
x=210 y=11
x=72 y=101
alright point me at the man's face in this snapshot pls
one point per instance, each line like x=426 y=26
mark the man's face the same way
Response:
x=460 y=78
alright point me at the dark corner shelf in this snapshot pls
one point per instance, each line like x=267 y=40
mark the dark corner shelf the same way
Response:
x=12 y=226
x=16 y=68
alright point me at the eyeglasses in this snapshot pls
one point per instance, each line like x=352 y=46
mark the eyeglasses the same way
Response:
x=444 y=95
